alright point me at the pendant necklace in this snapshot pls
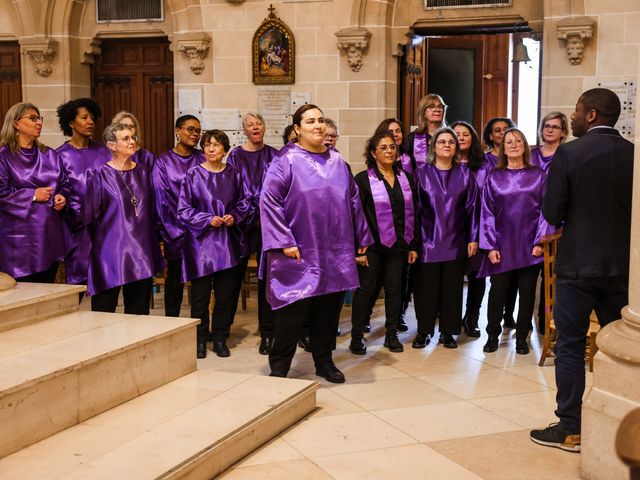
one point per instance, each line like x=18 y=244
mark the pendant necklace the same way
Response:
x=133 y=199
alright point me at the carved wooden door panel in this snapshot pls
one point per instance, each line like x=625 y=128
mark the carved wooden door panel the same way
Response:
x=137 y=75
x=411 y=83
x=10 y=82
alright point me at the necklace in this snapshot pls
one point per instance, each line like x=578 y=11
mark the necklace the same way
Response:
x=133 y=199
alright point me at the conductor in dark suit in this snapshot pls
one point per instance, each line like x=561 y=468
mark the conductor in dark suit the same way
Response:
x=589 y=194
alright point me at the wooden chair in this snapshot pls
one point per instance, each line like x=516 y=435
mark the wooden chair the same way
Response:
x=550 y=247
x=252 y=269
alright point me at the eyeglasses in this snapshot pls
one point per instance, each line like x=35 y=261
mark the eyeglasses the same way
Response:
x=212 y=145
x=387 y=148
x=34 y=118
x=192 y=130
x=548 y=126
x=445 y=142
x=435 y=106
x=332 y=136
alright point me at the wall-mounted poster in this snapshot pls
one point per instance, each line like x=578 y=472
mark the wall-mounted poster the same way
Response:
x=274 y=52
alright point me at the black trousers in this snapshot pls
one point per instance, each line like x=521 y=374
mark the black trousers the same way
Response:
x=541 y=303
x=575 y=299
x=173 y=288
x=136 y=295
x=45 y=276
x=386 y=269
x=223 y=284
x=265 y=314
x=510 y=299
x=525 y=278
x=438 y=291
x=475 y=293
x=320 y=312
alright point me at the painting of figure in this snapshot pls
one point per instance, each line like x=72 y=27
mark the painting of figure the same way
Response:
x=273 y=53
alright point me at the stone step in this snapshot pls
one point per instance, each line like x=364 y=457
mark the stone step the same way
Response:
x=194 y=427
x=32 y=302
x=63 y=370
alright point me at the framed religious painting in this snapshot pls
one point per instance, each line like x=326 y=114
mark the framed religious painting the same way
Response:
x=274 y=52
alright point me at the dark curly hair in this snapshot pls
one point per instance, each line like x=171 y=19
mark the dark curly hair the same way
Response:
x=372 y=144
x=67 y=112
x=476 y=155
x=486 y=133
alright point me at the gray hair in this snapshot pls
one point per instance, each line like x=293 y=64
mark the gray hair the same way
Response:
x=110 y=132
x=331 y=124
x=117 y=118
x=254 y=115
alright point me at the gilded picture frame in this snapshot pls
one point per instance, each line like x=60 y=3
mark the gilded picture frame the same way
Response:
x=274 y=52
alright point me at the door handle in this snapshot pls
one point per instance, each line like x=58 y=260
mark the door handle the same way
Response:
x=488 y=76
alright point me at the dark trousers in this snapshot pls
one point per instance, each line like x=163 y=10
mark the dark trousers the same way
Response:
x=45 y=276
x=223 y=284
x=265 y=313
x=320 y=312
x=136 y=295
x=173 y=288
x=438 y=292
x=510 y=299
x=475 y=293
x=525 y=279
x=386 y=269
x=575 y=299
x=541 y=303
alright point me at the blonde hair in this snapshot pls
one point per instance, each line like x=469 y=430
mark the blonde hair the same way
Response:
x=117 y=118
x=9 y=134
x=563 y=123
x=422 y=107
x=526 y=156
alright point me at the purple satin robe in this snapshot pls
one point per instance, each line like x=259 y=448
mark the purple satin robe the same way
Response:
x=203 y=195
x=252 y=167
x=167 y=175
x=511 y=220
x=474 y=263
x=539 y=160
x=449 y=207
x=421 y=148
x=145 y=158
x=405 y=163
x=77 y=162
x=124 y=247
x=490 y=160
x=31 y=233
x=310 y=200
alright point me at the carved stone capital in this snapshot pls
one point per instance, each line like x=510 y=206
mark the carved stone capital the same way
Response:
x=41 y=51
x=575 y=31
x=354 y=42
x=194 y=46
x=90 y=50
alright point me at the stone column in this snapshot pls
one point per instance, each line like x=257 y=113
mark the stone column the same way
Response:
x=616 y=369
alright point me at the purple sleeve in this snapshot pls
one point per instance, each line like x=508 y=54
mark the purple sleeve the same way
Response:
x=243 y=212
x=473 y=210
x=276 y=233
x=196 y=221
x=92 y=205
x=362 y=233
x=14 y=201
x=488 y=234
x=166 y=204
x=544 y=227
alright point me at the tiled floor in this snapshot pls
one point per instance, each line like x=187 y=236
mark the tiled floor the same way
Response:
x=432 y=413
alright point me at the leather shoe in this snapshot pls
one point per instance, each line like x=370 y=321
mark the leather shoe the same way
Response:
x=420 y=341
x=491 y=345
x=402 y=325
x=448 y=341
x=521 y=347
x=266 y=344
x=509 y=322
x=357 y=346
x=338 y=332
x=305 y=343
x=201 y=350
x=393 y=344
x=220 y=347
x=330 y=372
x=278 y=374
x=367 y=328
x=470 y=323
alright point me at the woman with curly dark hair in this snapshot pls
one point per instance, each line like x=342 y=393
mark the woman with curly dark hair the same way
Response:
x=79 y=155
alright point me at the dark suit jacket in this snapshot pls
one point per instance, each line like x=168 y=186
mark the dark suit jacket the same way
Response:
x=589 y=190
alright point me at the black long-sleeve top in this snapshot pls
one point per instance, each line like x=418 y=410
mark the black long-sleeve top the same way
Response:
x=397 y=208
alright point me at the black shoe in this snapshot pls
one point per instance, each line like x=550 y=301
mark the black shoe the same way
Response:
x=266 y=344
x=521 y=347
x=402 y=325
x=470 y=323
x=201 y=350
x=357 y=346
x=338 y=332
x=491 y=345
x=554 y=436
x=509 y=322
x=393 y=344
x=448 y=341
x=420 y=341
x=367 y=328
x=330 y=373
x=220 y=347
x=278 y=374
x=305 y=342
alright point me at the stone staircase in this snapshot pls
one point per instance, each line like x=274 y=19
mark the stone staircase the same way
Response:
x=88 y=395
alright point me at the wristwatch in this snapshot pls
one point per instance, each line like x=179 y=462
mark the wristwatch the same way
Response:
x=34 y=198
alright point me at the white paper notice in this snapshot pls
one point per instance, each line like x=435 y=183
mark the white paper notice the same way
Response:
x=189 y=99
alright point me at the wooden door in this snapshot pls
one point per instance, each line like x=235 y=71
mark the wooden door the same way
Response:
x=10 y=82
x=136 y=75
x=411 y=84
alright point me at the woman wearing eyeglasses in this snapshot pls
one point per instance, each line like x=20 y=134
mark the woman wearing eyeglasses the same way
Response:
x=214 y=204
x=389 y=205
x=79 y=155
x=511 y=225
x=552 y=132
x=167 y=175
x=120 y=215
x=142 y=156
x=33 y=192
x=431 y=116
x=448 y=198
